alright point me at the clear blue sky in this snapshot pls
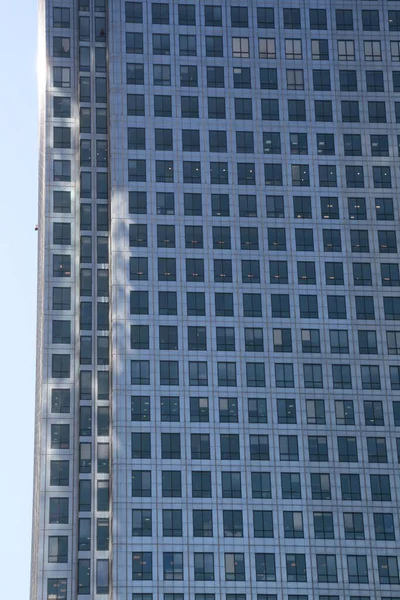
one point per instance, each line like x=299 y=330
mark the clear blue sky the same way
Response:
x=18 y=251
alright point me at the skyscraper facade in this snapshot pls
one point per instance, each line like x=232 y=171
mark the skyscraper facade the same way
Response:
x=218 y=381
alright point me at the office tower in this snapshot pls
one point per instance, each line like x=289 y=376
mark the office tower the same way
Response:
x=218 y=409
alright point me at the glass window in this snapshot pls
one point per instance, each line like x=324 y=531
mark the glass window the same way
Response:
x=231 y=484
x=198 y=374
x=171 y=484
x=197 y=339
x=308 y=305
x=164 y=171
x=255 y=374
x=141 y=522
x=326 y=568
x=261 y=485
x=323 y=110
x=321 y=80
x=59 y=472
x=59 y=436
x=160 y=13
x=318 y=448
x=224 y=304
x=234 y=567
x=219 y=173
x=140 y=408
x=61 y=47
x=58 y=510
x=273 y=174
x=221 y=238
x=215 y=77
x=265 y=567
x=263 y=524
x=83 y=576
x=133 y=12
x=140 y=372
x=187 y=14
x=329 y=208
x=298 y=143
x=223 y=271
x=293 y=524
x=347 y=449
x=270 y=110
x=135 y=104
x=199 y=409
x=230 y=447
x=296 y=567
x=216 y=108
x=61 y=17
x=189 y=107
x=344 y=20
x=251 y=305
x=282 y=339
x=61 y=77
x=134 y=74
x=187 y=45
x=259 y=447
x=297 y=110
x=217 y=141
x=268 y=79
x=172 y=523
x=374 y=81
x=372 y=50
x=291 y=18
x=134 y=43
x=142 y=566
x=315 y=411
x=161 y=75
x=284 y=375
x=318 y=19
x=332 y=240
x=323 y=525
x=163 y=139
x=240 y=47
x=214 y=45
x=388 y=570
x=243 y=109
x=384 y=526
x=293 y=49
x=291 y=485
x=346 y=50
x=257 y=410
x=204 y=566
x=201 y=484
x=320 y=486
x=370 y=20
x=244 y=143
x=348 y=81
x=170 y=409
x=239 y=16
x=265 y=18
x=319 y=50
x=380 y=488
x=286 y=408
x=313 y=376
x=357 y=568
x=280 y=306
x=353 y=526
x=266 y=48
x=60 y=401
x=137 y=170
x=188 y=76
x=170 y=446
